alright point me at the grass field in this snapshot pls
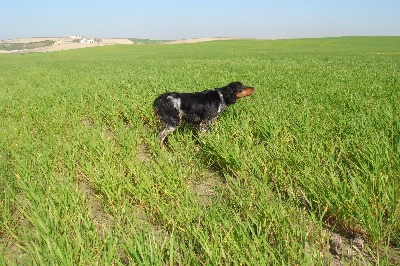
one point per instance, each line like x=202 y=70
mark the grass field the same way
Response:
x=305 y=167
x=146 y=41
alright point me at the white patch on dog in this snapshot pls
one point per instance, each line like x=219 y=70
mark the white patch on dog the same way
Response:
x=176 y=102
x=222 y=105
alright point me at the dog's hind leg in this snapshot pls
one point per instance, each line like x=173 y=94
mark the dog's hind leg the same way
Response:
x=168 y=112
x=164 y=133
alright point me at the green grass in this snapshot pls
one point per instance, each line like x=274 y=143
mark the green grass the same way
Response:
x=146 y=41
x=315 y=150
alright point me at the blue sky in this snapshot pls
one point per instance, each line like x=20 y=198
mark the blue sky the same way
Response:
x=182 y=19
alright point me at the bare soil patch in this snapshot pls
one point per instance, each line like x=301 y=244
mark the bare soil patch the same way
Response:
x=101 y=219
x=25 y=46
x=54 y=44
x=37 y=45
x=205 y=189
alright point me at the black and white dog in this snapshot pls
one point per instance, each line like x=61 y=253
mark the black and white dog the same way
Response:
x=202 y=108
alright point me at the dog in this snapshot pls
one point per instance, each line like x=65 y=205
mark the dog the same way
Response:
x=171 y=108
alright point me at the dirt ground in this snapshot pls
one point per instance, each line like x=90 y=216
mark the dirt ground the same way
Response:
x=68 y=43
x=60 y=44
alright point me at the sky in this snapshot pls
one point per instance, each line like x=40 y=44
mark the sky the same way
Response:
x=184 y=19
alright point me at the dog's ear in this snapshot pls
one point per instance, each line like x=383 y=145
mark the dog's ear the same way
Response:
x=230 y=92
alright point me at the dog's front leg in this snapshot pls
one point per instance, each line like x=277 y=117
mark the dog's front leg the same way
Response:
x=205 y=125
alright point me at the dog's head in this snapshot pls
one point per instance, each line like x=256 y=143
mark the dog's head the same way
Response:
x=234 y=91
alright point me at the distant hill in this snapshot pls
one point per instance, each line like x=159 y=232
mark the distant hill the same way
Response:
x=147 y=41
